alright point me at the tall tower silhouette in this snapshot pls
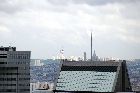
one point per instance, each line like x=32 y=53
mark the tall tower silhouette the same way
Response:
x=91 y=46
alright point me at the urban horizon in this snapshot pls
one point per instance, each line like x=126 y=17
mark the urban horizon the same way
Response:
x=47 y=26
x=54 y=46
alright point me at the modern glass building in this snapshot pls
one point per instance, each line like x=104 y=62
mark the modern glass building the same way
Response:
x=14 y=70
x=96 y=76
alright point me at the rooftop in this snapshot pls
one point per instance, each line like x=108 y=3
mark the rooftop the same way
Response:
x=7 y=48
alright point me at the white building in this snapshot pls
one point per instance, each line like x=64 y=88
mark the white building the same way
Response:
x=38 y=62
x=41 y=87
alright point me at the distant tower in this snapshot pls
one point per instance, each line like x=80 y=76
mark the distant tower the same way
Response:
x=85 y=56
x=91 y=46
x=94 y=54
x=62 y=54
x=94 y=57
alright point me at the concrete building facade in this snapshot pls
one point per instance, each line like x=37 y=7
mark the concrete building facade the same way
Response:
x=14 y=70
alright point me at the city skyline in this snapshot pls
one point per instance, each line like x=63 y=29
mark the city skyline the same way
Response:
x=47 y=26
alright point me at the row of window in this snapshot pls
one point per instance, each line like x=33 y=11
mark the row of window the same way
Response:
x=24 y=84
x=24 y=68
x=18 y=62
x=24 y=78
x=3 y=62
x=14 y=84
x=7 y=84
x=7 y=79
x=13 y=90
x=14 y=62
x=18 y=56
x=3 y=56
x=13 y=79
x=14 y=68
x=7 y=90
x=23 y=90
x=8 y=68
x=90 y=68
x=14 y=73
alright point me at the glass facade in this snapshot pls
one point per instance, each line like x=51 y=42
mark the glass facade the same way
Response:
x=85 y=81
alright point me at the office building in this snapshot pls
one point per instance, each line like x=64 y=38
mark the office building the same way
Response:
x=97 y=76
x=14 y=70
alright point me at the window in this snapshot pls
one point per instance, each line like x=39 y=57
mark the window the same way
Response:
x=7 y=90
x=7 y=79
x=8 y=73
x=24 y=78
x=3 y=56
x=8 y=68
x=22 y=90
x=7 y=84
x=3 y=62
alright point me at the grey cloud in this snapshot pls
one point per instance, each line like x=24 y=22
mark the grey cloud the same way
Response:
x=50 y=23
x=131 y=11
x=133 y=32
x=58 y=2
x=90 y=2
x=9 y=6
x=103 y=2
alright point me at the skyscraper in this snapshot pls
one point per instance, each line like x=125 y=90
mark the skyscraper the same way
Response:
x=14 y=70
x=85 y=56
x=94 y=57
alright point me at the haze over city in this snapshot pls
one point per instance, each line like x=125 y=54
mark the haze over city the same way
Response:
x=46 y=26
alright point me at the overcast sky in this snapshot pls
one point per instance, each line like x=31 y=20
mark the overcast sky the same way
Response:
x=46 y=26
